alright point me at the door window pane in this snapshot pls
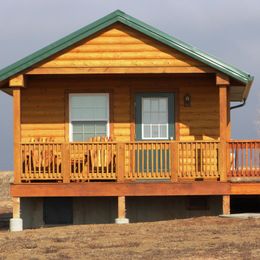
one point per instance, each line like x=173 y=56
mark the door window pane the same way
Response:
x=163 y=131
x=154 y=104
x=155 y=131
x=146 y=131
x=163 y=105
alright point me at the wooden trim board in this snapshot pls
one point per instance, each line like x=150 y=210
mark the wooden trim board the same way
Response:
x=99 y=189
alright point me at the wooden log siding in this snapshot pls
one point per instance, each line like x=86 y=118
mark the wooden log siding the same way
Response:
x=121 y=47
x=44 y=106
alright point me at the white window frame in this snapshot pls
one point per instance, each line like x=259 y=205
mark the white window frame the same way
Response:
x=167 y=125
x=88 y=94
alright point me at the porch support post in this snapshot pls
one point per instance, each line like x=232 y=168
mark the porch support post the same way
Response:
x=66 y=163
x=16 y=223
x=174 y=151
x=226 y=204
x=223 y=82
x=121 y=219
x=16 y=84
x=120 y=164
x=16 y=207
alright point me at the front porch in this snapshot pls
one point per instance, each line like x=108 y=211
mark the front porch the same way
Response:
x=168 y=161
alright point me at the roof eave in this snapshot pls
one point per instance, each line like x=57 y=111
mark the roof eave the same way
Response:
x=119 y=16
x=187 y=49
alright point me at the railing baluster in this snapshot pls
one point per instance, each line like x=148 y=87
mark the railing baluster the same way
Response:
x=133 y=161
x=250 y=158
x=211 y=147
x=161 y=166
x=43 y=160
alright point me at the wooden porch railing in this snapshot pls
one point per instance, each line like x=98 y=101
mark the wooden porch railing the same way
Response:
x=199 y=160
x=41 y=161
x=148 y=160
x=93 y=161
x=132 y=161
x=244 y=161
x=89 y=161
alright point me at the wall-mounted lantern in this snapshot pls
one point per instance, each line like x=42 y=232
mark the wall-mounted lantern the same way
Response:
x=187 y=100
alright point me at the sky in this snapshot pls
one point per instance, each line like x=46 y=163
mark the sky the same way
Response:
x=229 y=30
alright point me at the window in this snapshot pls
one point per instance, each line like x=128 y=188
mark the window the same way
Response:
x=154 y=118
x=89 y=116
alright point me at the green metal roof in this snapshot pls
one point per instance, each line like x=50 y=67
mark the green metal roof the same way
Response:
x=119 y=16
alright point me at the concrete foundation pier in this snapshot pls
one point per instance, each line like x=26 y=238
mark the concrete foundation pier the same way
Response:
x=16 y=223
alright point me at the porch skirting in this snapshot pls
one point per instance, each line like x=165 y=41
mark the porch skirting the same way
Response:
x=36 y=212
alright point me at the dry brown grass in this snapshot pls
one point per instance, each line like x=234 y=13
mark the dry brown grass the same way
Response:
x=198 y=238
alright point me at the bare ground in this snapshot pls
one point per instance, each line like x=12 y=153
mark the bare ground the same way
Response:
x=196 y=238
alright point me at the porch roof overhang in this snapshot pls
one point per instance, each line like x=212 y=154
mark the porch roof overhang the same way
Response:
x=238 y=92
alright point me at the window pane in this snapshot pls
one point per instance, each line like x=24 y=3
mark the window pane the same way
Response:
x=146 y=117
x=155 y=104
x=86 y=130
x=163 y=106
x=100 y=127
x=89 y=127
x=154 y=118
x=78 y=138
x=163 y=118
x=146 y=104
x=155 y=131
x=146 y=130
x=163 y=131
x=88 y=136
x=77 y=127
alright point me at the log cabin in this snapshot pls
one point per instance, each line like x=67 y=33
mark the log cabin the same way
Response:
x=119 y=121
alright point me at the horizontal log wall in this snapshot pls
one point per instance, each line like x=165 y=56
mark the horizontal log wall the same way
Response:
x=120 y=47
x=45 y=110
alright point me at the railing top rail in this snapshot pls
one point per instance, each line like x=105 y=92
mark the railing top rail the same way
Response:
x=200 y=141
x=145 y=142
x=25 y=143
x=244 y=141
x=130 y=142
